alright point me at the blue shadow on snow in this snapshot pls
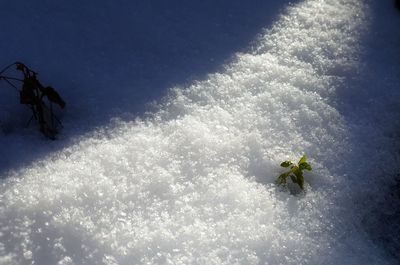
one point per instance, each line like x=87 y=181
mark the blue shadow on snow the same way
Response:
x=107 y=58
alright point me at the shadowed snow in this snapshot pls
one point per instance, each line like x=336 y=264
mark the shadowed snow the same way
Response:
x=194 y=182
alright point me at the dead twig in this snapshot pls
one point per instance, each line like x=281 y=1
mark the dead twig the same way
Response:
x=38 y=98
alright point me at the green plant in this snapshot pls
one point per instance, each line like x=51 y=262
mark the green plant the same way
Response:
x=295 y=172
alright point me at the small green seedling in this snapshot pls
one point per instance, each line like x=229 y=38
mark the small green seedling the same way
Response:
x=295 y=173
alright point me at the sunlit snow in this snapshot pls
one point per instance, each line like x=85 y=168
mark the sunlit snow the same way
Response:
x=194 y=181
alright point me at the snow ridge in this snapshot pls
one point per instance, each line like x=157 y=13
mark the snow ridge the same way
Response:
x=194 y=184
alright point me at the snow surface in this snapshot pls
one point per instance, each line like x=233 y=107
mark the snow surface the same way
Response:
x=193 y=181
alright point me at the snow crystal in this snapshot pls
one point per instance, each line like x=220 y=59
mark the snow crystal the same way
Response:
x=194 y=183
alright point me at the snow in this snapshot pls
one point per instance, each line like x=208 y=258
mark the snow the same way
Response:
x=192 y=181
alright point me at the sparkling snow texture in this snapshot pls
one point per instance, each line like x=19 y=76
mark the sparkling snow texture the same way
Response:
x=194 y=182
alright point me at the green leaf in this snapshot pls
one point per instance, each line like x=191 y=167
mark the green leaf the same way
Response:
x=281 y=180
x=305 y=165
x=303 y=159
x=294 y=169
x=295 y=172
x=286 y=163
x=293 y=178
x=298 y=173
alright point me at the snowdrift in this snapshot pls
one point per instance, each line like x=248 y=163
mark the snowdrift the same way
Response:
x=193 y=183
